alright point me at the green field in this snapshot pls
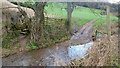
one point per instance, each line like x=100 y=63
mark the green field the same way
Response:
x=80 y=15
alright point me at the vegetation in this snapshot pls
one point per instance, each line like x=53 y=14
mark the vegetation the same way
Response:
x=8 y=41
x=40 y=31
x=53 y=32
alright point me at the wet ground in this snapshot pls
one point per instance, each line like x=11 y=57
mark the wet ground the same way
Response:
x=45 y=56
x=56 y=55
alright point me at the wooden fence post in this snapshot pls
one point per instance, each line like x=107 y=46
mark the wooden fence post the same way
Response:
x=108 y=21
x=109 y=32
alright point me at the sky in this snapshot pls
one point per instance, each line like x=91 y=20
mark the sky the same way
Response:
x=113 y=1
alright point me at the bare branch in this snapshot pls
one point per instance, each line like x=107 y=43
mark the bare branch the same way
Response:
x=24 y=5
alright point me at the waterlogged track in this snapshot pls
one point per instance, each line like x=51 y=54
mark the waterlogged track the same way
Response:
x=56 y=55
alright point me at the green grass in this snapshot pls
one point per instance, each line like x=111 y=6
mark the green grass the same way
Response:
x=56 y=9
x=81 y=15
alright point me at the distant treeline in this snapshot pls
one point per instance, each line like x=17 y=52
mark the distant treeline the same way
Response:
x=98 y=5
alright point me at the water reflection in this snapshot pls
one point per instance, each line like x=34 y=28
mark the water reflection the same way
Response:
x=78 y=51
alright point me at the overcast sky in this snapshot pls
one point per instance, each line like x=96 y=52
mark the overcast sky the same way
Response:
x=113 y=1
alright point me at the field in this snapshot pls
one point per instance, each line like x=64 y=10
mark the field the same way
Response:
x=80 y=15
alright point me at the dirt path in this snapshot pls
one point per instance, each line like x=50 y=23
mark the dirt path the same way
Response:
x=86 y=30
x=56 y=55
x=22 y=41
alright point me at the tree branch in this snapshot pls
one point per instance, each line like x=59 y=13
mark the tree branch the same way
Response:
x=24 y=5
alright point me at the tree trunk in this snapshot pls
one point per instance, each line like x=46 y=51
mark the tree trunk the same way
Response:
x=70 y=8
x=37 y=24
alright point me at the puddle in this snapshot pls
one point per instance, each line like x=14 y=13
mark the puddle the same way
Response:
x=78 y=51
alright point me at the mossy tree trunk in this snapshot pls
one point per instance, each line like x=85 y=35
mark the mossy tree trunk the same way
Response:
x=38 y=23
